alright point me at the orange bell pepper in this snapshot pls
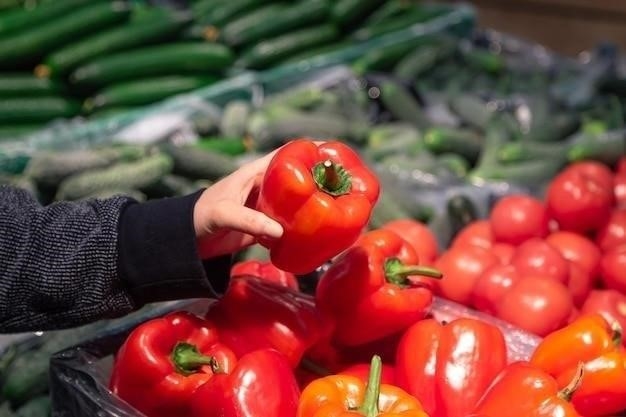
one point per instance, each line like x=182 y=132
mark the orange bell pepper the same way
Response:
x=595 y=342
x=347 y=395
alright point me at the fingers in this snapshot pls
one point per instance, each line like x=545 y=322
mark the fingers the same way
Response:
x=230 y=215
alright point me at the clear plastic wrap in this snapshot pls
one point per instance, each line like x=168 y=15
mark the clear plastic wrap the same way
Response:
x=79 y=376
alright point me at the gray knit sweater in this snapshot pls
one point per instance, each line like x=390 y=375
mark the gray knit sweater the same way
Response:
x=71 y=263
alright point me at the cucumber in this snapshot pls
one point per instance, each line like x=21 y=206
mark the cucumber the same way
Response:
x=159 y=28
x=171 y=186
x=270 y=51
x=524 y=173
x=482 y=60
x=32 y=44
x=383 y=59
x=528 y=151
x=402 y=105
x=126 y=175
x=110 y=112
x=318 y=51
x=33 y=110
x=418 y=14
x=220 y=14
x=26 y=85
x=235 y=118
x=423 y=59
x=347 y=13
x=23 y=19
x=10 y=132
x=455 y=163
x=391 y=139
x=195 y=163
x=273 y=20
x=464 y=142
x=169 y=59
x=390 y=9
x=461 y=212
x=472 y=110
x=147 y=91
x=50 y=168
x=608 y=147
x=227 y=146
x=202 y=8
x=552 y=127
x=39 y=406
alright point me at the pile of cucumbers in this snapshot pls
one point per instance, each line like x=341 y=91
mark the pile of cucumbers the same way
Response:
x=68 y=58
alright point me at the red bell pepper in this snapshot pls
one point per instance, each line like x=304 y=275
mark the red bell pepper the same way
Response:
x=347 y=395
x=262 y=384
x=368 y=291
x=522 y=390
x=322 y=195
x=362 y=370
x=254 y=315
x=163 y=361
x=449 y=366
x=265 y=270
x=590 y=340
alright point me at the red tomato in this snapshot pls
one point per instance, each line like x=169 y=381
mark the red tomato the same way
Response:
x=491 y=286
x=477 y=233
x=461 y=267
x=517 y=218
x=504 y=252
x=573 y=316
x=613 y=268
x=619 y=189
x=610 y=303
x=579 y=202
x=613 y=230
x=419 y=236
x=601 y=173
x=577 y=248
x=536 y=304
x=579 y=283
x=536 y=257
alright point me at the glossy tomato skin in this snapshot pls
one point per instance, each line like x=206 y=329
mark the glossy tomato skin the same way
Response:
x=419 y=236
x=461 y=267
x=619 y=189
x=601 y=173
x=517 y=218
x=579 y=283
x=536 y=257
x=536 y=304
x=578 y=201
x=492 y=285
x=578 y=249
x=613 y=230
x=613 y=268
x=610 y=303
x=477 y=233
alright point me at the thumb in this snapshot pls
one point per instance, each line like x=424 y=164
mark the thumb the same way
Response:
x=230 y=215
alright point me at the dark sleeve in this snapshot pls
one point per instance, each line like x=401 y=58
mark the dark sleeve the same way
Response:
x=71 y=263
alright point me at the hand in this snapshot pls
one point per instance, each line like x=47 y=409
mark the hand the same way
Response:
x=224 y=217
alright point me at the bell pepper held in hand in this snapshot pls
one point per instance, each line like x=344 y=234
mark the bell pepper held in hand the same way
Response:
x=254 y=314
x=322 y=195
x=266 y=271
x=164 y=360
x=368 y=292
x=449 y=366
x=347 y=395
x=596 y=343
x=522 y=390
x=262 y=384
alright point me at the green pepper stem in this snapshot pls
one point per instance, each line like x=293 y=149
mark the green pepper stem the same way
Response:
x=369 y=408
x=187 y=359
x=568 y=391
x=332 y=178
x=617 y=333
x=397 y=273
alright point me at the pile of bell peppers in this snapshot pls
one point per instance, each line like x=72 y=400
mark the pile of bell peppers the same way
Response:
x=366 y=342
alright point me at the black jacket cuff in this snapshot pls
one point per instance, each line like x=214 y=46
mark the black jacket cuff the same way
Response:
x=158 y=258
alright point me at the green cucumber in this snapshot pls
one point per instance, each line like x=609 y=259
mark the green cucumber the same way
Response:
x=464 y=142
x=228 y=146
x=390 y=9
x=454 y=163
x=171 y=186
x=472 y=110
x=125 y=175
x=483 y=60
x=525 y=173
x=608 y=147
x=273 y=20
x=50 y=168
x=423 y=59
x=235 y=118
x=383 y=59
x=461 y=212
x=347 y=13
x=159 y=28
x=392 y=138
x=11 y=132
x=419 y=14
x=323 y=50
x=40 y=406
x=194 y=163
x=528 y=151
x=402 y=105
x=110 y=111
x=224 y=12
x=23 y=19
x=147 y=91
x=169 y=59
x=202 y=8
x=32 y=44
x=33 y=110
x=25 y=85
x=266 y=53
x=552 y=127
